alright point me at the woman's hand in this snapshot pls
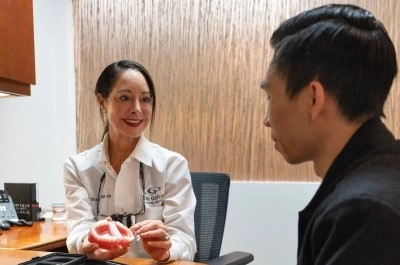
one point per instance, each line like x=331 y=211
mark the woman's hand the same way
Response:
x=155 y=238
x=101 y=243
x=93 y=251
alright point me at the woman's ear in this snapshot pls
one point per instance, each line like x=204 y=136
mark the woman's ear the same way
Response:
x=100 y=100
x=318 y=99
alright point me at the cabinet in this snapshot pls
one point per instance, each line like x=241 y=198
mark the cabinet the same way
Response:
x=17 y=53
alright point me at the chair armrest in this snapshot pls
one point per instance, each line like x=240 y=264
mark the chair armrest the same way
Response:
x=233 y=258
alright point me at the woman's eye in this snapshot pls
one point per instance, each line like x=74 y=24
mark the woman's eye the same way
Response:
x=123 y=98
x=147 y=100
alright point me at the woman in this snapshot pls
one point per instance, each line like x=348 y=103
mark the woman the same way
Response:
x=127 y=178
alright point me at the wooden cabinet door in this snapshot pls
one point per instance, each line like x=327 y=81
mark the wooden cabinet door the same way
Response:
x=17 y=53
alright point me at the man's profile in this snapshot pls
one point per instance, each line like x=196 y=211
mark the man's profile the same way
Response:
x=326 y=86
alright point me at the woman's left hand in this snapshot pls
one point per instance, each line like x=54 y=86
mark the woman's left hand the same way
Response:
x=155 y=238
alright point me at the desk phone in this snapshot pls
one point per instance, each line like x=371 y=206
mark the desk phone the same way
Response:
x=7 y=209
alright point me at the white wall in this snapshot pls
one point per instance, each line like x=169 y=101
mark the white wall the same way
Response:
x=262 y=219
x=38 y=133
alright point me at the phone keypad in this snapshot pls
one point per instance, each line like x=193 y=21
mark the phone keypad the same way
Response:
x=7 y=209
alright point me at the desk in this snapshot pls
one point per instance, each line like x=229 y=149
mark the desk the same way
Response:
x=14 y=257
x=43 y=235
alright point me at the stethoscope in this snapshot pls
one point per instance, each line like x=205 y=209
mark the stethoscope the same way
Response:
x=130 y=216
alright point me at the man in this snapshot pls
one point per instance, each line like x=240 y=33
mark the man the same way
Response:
x=326 y=85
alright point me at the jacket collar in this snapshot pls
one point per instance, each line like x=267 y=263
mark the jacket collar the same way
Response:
x=370 y=137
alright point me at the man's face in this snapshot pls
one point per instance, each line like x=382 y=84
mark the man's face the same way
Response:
x=287 y=119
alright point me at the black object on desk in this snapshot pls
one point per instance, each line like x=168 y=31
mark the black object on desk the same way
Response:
x=66 y=259
x=25 y=200
x=4 y=225
x=20 y=222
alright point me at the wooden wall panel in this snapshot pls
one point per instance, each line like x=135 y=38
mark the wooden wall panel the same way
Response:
x=207 y=59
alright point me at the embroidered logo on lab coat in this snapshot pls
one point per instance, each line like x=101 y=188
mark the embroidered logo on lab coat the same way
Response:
x=154 y=196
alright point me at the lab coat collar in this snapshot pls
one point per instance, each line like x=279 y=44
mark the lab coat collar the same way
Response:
x=142 y=151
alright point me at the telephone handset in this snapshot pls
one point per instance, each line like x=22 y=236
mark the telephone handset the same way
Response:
x=7 y=209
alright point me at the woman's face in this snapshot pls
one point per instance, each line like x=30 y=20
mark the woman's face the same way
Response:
x=129 y=106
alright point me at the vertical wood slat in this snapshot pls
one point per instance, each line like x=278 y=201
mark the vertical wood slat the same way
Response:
x=207 y=59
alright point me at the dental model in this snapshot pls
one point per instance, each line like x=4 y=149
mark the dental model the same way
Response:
x=109 y=234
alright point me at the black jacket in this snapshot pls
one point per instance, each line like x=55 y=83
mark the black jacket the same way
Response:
x=354 y=217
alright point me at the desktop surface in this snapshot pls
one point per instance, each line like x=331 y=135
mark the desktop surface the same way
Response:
x=42 y=235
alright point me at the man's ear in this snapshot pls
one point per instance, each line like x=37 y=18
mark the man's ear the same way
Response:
x=318 y=95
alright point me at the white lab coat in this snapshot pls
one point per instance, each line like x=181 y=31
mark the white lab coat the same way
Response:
x=168 y=194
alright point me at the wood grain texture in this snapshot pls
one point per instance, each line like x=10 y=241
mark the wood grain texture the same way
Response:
x=44 y=236
x=207 y=59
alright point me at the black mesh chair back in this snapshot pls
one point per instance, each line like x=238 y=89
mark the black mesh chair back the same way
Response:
x=212 y=193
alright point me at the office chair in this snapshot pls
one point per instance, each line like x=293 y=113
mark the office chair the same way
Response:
x=212 y=193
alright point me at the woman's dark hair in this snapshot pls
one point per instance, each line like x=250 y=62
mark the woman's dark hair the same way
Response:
x=346 y=49
x=111 y=74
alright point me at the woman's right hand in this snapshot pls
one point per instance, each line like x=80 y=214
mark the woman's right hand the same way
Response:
x=92 y=242
x=93 y=251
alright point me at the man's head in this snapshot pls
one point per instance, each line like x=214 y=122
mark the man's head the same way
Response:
x=332 y=69
x=346 y=49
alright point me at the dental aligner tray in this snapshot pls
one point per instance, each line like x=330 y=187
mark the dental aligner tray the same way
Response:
x=66 y=259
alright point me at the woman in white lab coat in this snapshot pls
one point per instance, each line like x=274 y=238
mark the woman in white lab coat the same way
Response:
x=141 y=184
